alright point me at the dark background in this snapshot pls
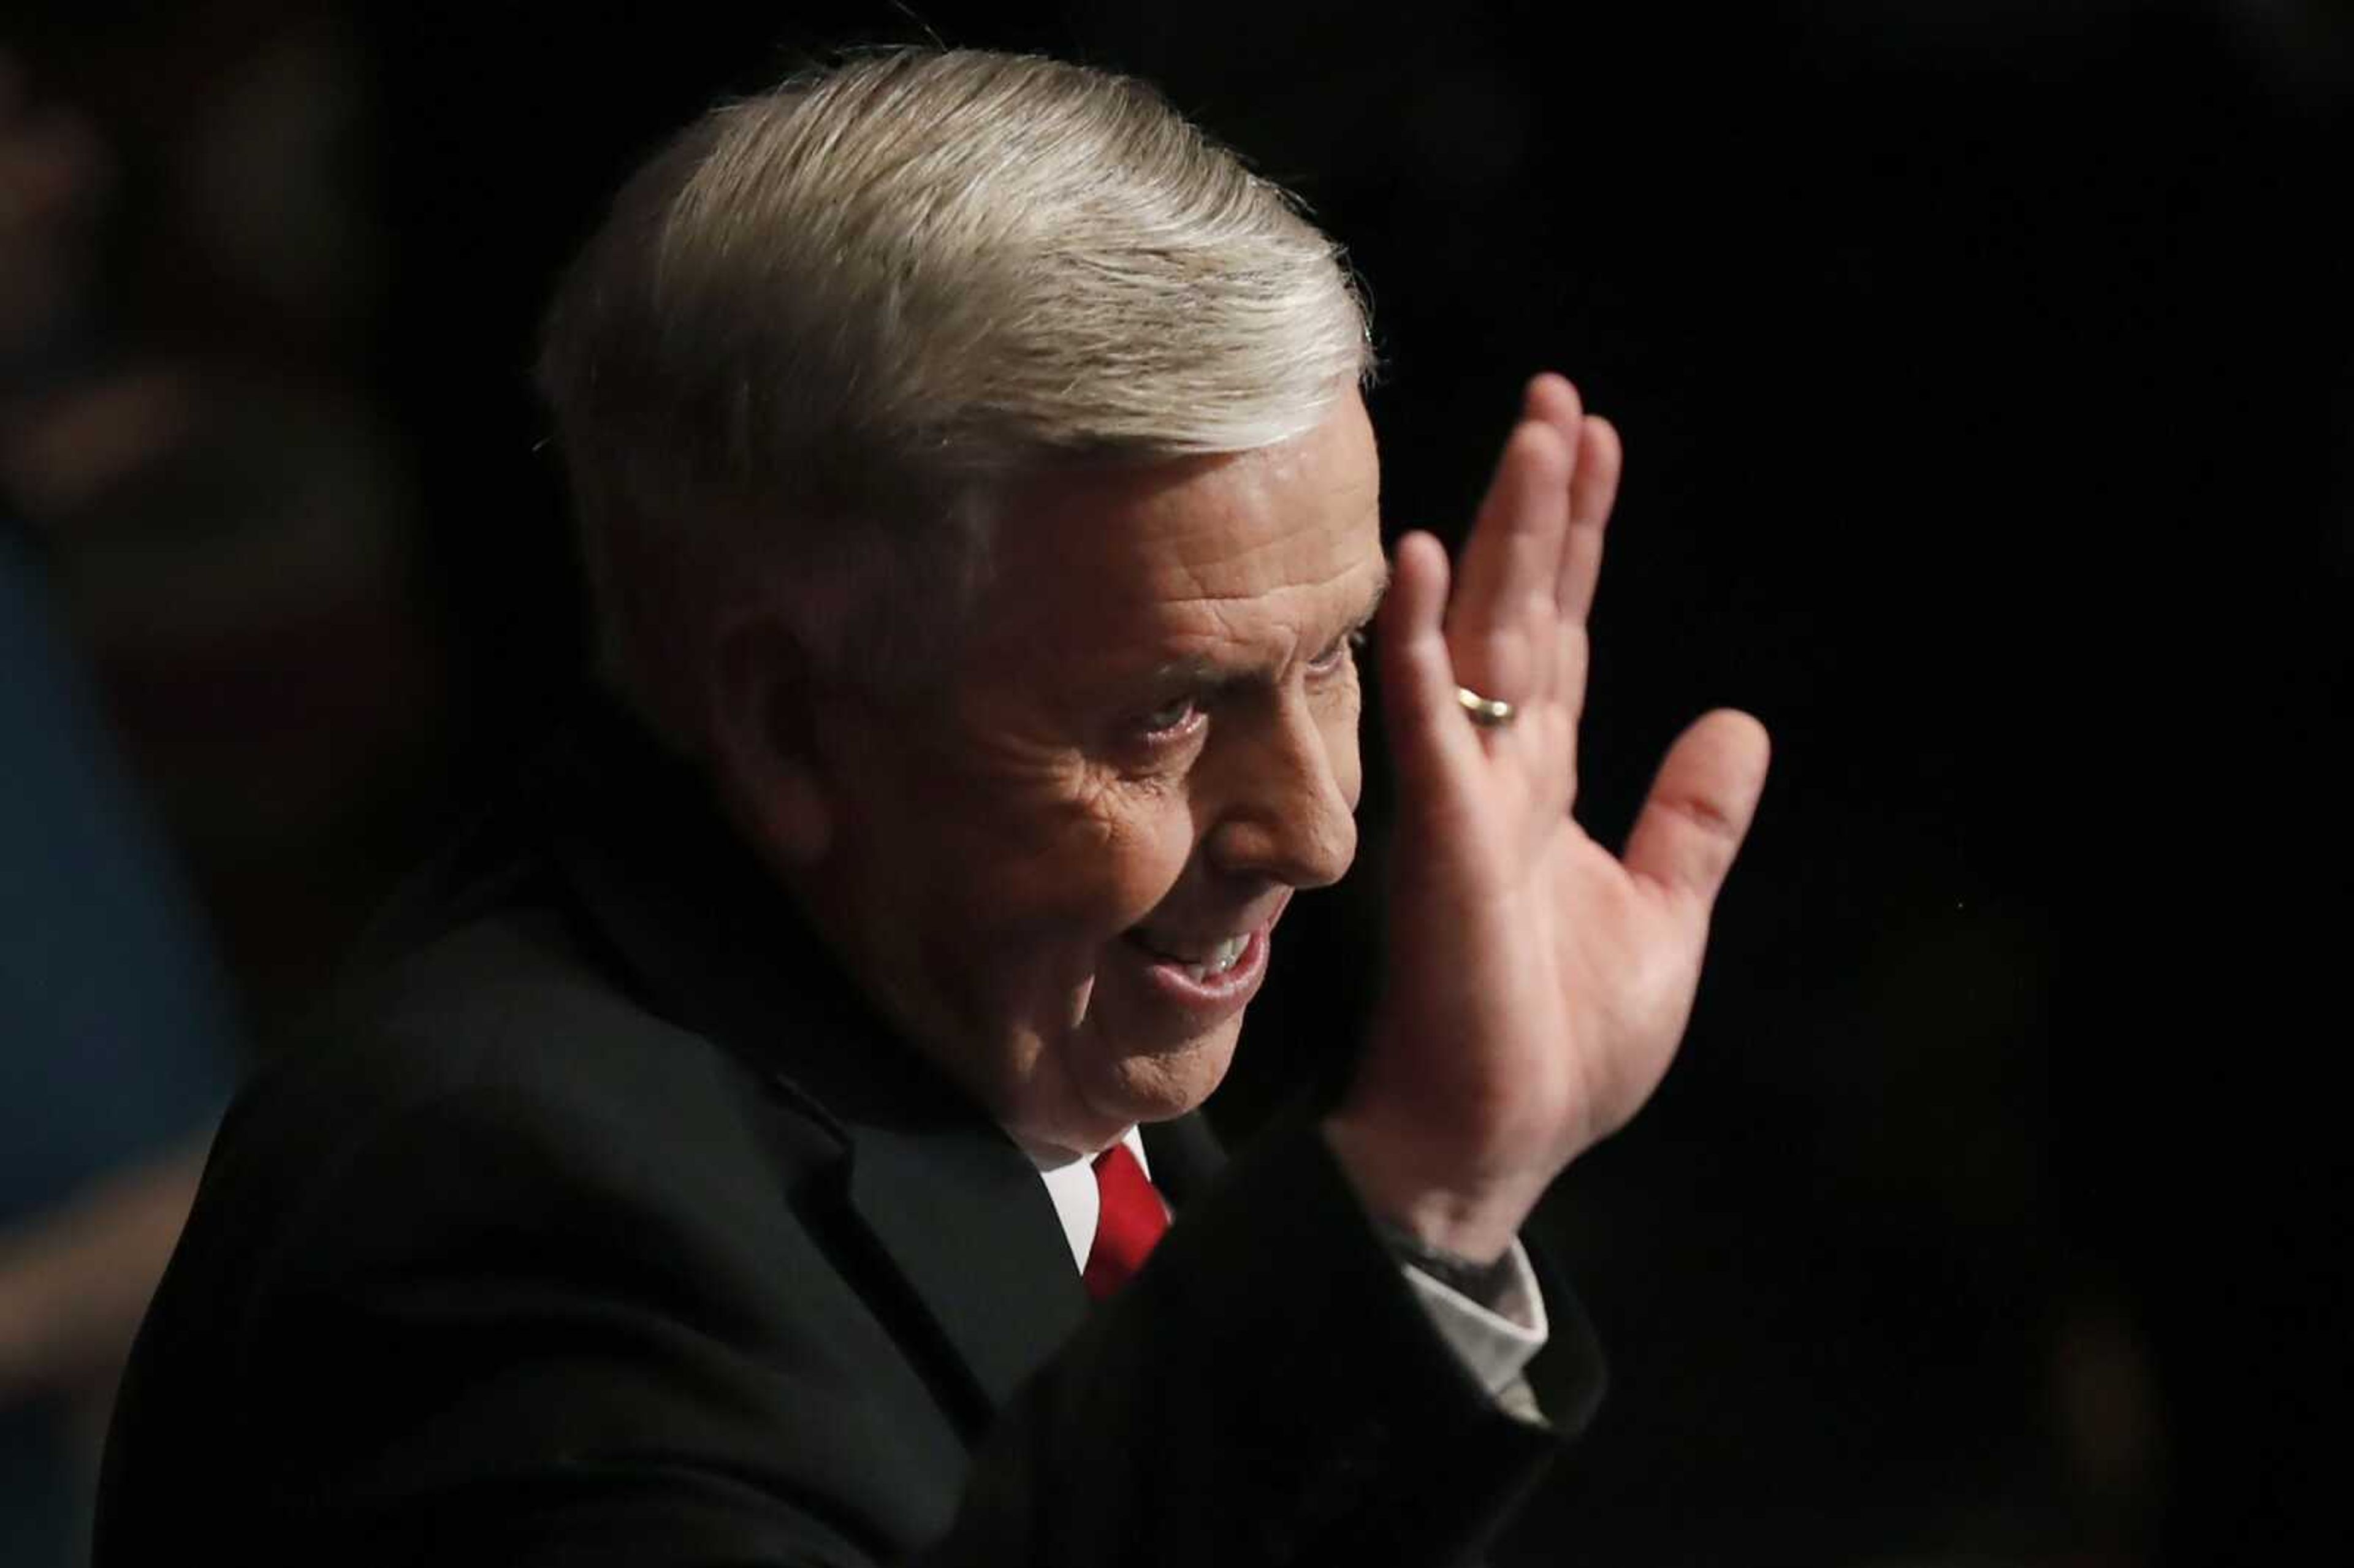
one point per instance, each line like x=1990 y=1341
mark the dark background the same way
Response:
x=1988 y=379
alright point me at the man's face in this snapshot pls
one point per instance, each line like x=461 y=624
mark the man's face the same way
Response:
x=1064 y=881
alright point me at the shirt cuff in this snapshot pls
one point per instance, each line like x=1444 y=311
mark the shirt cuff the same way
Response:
x=1495 y=1343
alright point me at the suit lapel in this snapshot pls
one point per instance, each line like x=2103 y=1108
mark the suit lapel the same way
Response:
x=967 y=1225
x=951 y=1204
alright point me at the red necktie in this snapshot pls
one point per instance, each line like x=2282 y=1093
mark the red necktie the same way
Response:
x=1129 y=1217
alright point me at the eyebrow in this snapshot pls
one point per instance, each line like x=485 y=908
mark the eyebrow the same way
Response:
x=1207 y=674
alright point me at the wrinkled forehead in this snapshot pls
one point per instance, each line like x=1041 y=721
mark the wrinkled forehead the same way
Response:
x=1266 y=545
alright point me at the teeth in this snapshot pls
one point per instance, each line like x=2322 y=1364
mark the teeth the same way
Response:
x=1222 y=957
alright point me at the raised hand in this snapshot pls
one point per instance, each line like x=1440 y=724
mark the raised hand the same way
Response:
x=1537 y=984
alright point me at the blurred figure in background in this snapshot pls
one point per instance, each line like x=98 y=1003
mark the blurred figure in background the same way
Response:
x=202 y=610
x=116 y=1039
x=192 y=430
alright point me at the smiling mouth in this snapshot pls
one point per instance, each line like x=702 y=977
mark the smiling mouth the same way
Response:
x=1199 y=961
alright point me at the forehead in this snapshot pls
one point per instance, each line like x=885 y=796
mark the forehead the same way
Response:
x=1228 y=558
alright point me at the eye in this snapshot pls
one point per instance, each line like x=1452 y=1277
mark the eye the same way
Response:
x=1170 y=720
x=1340 y=654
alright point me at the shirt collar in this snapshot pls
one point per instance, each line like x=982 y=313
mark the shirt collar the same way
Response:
x=1071 y=1183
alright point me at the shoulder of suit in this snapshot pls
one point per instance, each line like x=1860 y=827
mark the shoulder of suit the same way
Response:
x=506 y=1026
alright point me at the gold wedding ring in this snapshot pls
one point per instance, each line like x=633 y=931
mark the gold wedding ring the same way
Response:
x=1488 y=713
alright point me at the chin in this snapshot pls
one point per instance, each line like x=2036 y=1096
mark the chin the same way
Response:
x=1165 y=1082
x=1100 y=1093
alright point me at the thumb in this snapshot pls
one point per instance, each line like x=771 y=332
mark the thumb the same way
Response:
x=1700 y=806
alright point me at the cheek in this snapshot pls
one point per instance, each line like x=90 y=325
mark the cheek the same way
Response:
x=1146 y=845
x=1095 y=866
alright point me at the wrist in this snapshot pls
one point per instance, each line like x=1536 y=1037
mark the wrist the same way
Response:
x=1472 y=1224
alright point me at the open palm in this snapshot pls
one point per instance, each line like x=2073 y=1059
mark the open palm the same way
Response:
x=1537 y=984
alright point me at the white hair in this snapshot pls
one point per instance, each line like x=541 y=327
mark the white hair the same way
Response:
x=825 y=327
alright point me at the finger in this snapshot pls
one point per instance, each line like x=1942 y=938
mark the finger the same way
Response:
x=1552 y=399
x=1430 y=740
x=1700 y=806
x=1513 y=555
x=1593 y=489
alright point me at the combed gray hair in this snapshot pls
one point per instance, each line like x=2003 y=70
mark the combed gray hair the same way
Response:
x=825 y=327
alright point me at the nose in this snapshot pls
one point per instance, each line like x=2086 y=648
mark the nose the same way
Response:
x=1286 y=794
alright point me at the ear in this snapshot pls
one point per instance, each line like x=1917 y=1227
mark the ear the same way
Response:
x=763 y=740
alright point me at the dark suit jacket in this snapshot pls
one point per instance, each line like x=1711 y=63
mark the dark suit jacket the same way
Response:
x=606 y=1222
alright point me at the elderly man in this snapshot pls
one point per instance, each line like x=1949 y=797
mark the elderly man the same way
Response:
x=746 y=1154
